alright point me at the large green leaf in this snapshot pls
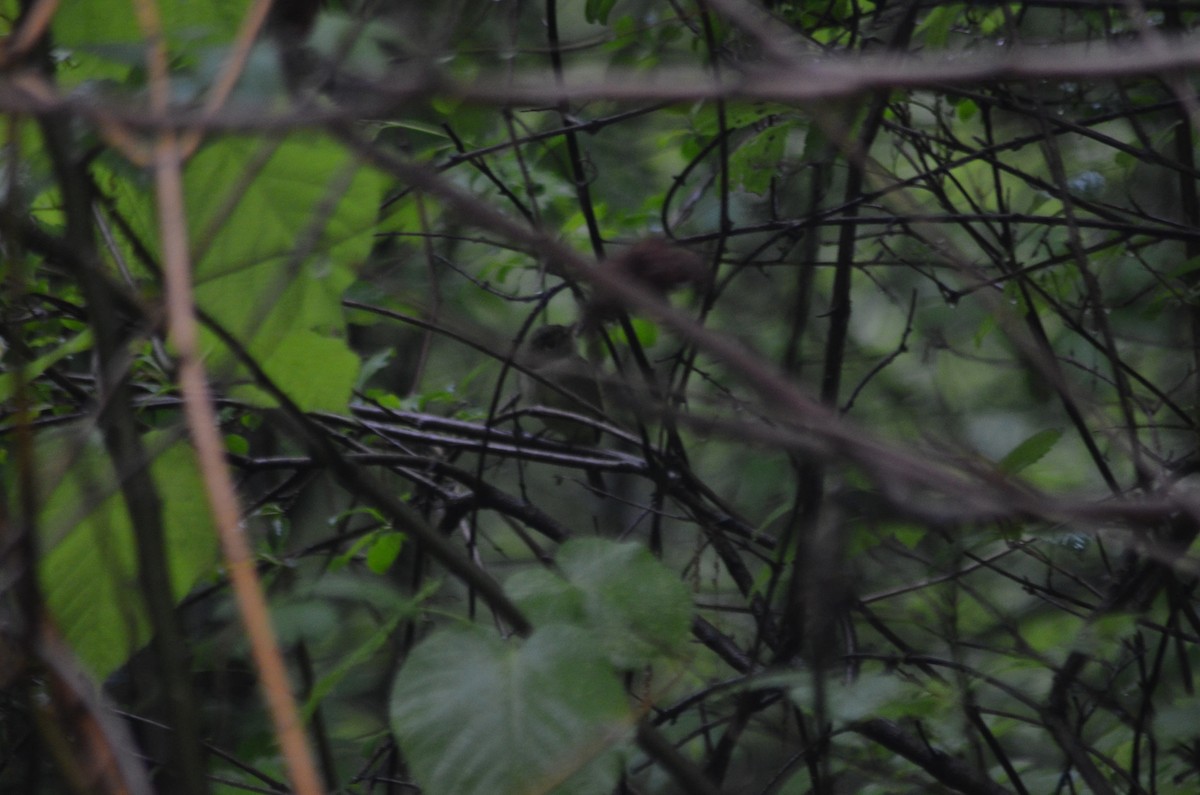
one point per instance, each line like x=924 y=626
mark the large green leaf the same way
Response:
x=635 y=606
x=476 y=715
x=88 y=23
x=278 y=231
x=107 y=45
x=89 y=569
x=546 y=598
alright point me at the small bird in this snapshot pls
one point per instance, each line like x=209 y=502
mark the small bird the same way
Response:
x=550 y=354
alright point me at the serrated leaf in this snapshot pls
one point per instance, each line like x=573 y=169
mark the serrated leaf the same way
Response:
x=476 y=715
x=1030 y=451
x=756 y=162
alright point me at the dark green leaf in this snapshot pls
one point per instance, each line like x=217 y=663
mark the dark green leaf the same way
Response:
x=597 y=11
x=1030 y=451
x=476 y=715
x=636 y=608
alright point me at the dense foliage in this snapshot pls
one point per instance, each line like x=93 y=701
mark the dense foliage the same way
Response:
x=886 y=320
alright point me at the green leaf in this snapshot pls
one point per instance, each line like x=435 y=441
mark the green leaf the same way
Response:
x=365 y=651
x=237 y=444
x=89 y=574
x=384 y=551
x=90 y=23
x=105 y=41
x=1176 y=722
x=705 y=119
x=357 y=656
x=646 y=331
x=288 y=363
x=278 y=232
x=1189 y=265
x=636 y=607
x=1053 y=633
x=545 y=598
x=996 y=19
x=1103 y=635
x=80 y=342
x=339 y=562
x=1030 y=451
x=936 y=26
x=475 y=715
x=756 y=162
x=597 y=11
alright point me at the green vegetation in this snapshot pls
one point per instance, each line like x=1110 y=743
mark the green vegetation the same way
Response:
x=894 y=314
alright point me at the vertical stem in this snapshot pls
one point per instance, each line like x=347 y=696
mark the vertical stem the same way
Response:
x=203 y=423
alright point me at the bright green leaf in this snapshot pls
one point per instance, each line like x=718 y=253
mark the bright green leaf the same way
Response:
x=237 y=444
x=106 y=42
x=277 y=232
x=339 y=561
x=89 y=572
x=384 y=551
x=288 y=364
x=646 y=331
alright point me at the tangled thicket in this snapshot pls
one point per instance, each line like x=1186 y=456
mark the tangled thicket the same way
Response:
x=893 y=307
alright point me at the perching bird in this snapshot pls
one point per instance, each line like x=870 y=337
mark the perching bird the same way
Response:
x=550 y=354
